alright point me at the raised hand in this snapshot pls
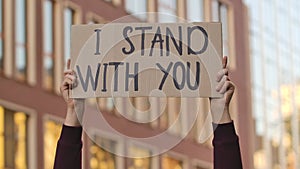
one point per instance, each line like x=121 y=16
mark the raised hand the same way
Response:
x=220 y=106
x=73 y=105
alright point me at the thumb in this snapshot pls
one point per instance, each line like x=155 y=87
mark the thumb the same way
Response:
x=224 y=62
x=69 y=64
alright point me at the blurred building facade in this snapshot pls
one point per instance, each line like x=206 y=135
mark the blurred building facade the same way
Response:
x=34 y=46
x=275 y=43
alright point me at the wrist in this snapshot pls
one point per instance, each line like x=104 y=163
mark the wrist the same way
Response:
x=70 y=109
x=221 y=116
x=71 y=117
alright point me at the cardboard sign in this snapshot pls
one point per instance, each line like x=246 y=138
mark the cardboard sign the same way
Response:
x=146 y=59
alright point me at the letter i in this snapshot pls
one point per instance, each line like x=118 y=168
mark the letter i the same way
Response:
x=98 y=42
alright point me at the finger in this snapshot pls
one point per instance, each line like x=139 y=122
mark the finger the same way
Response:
x=72 y=77
x=227 y=85
x=68 y=71
x=221 y=83
x=67 y=82
x=69 y=64
x=225 y=61
x=221 y=73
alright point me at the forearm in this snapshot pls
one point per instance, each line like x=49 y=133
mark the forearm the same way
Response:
x=71 y=118
x=68 y=152
x=226 y=147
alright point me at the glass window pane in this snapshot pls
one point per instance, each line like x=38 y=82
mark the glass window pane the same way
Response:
x=137 y=7
x=225 y=30
x=171 y=163
x=20 y=121
x=48 y=45
x=13 y=139
x=195 y=10
x=167 y=10
x=215 y=11
x=100 y=157
x=68 y=21
x=139 y=163
x=51 y=136
x=20 y=39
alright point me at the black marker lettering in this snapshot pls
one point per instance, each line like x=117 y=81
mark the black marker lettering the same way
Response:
x=175 y=79
x=143 y=37
x=89 y=77
x=157 y=38
x=178 y=46
x=196 y=84
x=190 y=31
x=104 y=77
x=116 y=75
x=98 y=42
x=125 y=35
x=134 y=76
x=166 y=72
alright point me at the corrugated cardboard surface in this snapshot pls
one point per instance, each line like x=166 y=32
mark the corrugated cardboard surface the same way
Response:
x=84 y=52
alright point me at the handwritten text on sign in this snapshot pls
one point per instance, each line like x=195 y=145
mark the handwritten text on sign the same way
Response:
x=128 y=60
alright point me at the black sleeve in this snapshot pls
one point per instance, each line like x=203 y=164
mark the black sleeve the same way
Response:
x=68 y=152
x=226 y=147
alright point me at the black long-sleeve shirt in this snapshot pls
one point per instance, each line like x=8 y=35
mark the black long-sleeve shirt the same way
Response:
x=226 y=148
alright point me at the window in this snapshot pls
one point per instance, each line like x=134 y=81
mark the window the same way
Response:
x=195 y=10
x=138 y=7
x=68 y=21
x=20 y=40
x=139 y=163
x=1 y=38
x=225 y=30
x=220 y=13
x=52 y=131
x=167 y=10
x=171 y=163
x=13 y=139
x=48 y=63
x=100 y=157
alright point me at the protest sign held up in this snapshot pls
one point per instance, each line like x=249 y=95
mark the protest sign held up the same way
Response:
x=146 y=59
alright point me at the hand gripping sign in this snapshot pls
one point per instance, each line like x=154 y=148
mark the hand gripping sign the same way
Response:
x=146 y=59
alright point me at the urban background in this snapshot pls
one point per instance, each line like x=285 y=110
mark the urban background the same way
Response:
x=261 y=38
